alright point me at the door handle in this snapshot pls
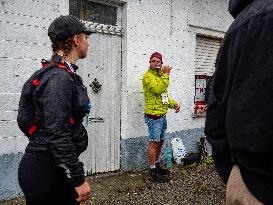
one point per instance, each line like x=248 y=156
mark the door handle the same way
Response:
x=95 y=85
x=95 y=119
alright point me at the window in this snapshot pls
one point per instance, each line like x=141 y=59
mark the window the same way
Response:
x=205 y=57
x=94 y=12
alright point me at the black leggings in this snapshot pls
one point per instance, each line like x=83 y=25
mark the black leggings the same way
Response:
x=43 y=183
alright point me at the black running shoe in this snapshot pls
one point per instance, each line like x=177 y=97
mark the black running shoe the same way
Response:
x=162 y=171
x=157 y=177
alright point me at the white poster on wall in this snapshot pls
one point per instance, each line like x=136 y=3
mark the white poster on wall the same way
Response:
x=200 y=86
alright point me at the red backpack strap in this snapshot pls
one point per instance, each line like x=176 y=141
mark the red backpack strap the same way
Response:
x=64 y=67
x=32 y=129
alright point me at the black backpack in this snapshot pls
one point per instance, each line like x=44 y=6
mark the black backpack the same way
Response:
x=26 y=112
x=26 y=120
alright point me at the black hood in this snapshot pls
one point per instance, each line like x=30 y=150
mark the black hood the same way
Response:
x=236 y=6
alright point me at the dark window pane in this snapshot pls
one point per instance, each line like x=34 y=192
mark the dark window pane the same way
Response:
x=93 y=11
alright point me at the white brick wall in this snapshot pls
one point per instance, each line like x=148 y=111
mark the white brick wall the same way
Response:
x=24 y=42
x=211 y=14
x=164 y=26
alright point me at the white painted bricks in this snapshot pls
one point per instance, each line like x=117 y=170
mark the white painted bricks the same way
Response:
x=164 y=26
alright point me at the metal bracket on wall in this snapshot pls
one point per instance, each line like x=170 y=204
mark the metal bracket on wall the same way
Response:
x=95 y=119
x=95 y=85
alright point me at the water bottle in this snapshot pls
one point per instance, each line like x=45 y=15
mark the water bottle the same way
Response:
x=86 y=118
x=169 y=156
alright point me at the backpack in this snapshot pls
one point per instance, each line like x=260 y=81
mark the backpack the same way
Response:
x=26 y=119
x=27 y=123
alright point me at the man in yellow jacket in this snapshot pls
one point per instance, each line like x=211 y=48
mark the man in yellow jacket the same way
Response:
x=155 y=83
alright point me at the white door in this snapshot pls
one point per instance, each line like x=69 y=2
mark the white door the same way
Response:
x=103 y=65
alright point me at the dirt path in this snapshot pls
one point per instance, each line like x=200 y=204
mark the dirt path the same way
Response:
x=190 y=185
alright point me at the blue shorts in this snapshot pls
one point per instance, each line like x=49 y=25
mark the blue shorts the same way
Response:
x=157 y=128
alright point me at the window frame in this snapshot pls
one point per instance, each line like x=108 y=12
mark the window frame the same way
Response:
x=206 y=51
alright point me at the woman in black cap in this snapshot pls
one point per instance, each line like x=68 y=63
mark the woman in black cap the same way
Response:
x=50 y=171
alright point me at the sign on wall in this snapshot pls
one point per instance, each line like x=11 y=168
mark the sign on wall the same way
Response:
x=200 y=88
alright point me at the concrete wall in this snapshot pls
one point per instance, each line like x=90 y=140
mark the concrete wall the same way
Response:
x=169 y=27
x=24 y=42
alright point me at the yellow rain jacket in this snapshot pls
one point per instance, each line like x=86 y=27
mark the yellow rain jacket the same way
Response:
x=154 y=84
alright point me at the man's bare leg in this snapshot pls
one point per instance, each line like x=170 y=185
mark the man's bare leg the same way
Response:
x=158 y=150
x=153 y=148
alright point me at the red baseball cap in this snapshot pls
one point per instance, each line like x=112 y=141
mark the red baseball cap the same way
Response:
x=156 y=54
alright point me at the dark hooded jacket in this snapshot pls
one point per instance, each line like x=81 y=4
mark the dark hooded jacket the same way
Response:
x=239 y=122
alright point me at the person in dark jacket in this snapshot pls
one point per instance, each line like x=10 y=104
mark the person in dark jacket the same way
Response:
x=240 y=112
x=208 y=86
x=50 y=171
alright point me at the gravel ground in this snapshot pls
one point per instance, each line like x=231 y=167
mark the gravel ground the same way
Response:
x=189 y=185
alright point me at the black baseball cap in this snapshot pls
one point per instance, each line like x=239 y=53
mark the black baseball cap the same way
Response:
x=64 y=27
